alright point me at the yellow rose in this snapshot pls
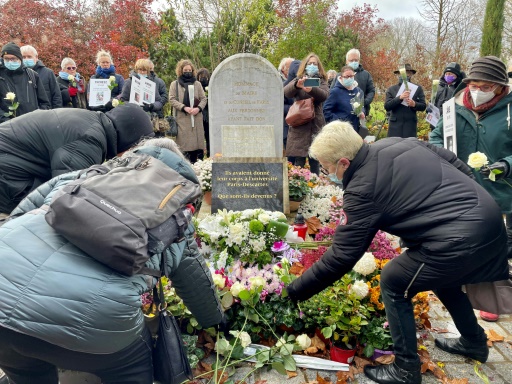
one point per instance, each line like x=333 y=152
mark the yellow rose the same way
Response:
x=477 y=160
x=10 y=96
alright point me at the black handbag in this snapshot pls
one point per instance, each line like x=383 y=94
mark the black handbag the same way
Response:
x=173 y=124
x=170 y=361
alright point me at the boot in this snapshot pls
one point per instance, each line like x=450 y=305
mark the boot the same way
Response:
x=392 y=374
x=475 y=350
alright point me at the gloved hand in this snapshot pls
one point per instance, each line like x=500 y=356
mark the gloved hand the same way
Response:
x=500 y=166
x=147 y=107
x=108 y=105
x=428 y=110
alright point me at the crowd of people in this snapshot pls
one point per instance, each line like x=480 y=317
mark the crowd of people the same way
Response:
x=453 y=217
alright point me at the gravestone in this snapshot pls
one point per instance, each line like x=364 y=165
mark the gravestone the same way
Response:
x=245 y=105
x=249 y=183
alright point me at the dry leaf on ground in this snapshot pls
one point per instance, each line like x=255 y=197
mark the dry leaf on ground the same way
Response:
x=317 y=343
x=314 y=225
x=455 y=381
x=321 y=380
x=291 y=374
x=494 y=336
x=385 y=359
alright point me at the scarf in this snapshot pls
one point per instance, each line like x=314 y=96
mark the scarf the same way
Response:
x=185 y=83
x=105 y=73
x=468 y=101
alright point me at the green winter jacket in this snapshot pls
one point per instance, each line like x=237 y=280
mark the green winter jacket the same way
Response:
x=489 y=133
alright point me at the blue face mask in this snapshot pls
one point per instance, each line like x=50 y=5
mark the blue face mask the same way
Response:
x=311 y=70
x=12 y=65
x=348 y=82
x=143 y=75
x=354 y=65
x=334 y=178
x=29 y=62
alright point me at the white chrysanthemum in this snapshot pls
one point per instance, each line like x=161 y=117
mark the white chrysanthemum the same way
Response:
x=258 y=244
x=219 y=281
x=303 y=341
x=236 y=288
x=223 y=257
x=237 y=234
x=366 y=264
x=359 y=289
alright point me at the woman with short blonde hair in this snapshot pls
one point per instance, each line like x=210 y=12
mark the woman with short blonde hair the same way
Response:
x=104 y=70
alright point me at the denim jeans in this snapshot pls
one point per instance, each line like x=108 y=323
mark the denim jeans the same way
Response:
x=396 y=278
x=28 y=360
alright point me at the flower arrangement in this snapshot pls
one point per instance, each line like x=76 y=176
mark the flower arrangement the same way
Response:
x=203 y=170
x=246 y=235
x=320 y=200
x=11 y=96
x=300 y=182
x=112 y=82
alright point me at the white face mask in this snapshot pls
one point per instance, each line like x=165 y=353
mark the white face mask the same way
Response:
x=480 y=97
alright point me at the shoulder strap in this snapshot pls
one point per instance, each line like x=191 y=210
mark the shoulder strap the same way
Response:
x=32 y=75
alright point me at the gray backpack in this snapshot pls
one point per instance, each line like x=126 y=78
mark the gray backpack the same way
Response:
x=123 y=211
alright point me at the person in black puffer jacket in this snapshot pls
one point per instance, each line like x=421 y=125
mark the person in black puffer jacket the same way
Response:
x=43 y=144
x=452 y=227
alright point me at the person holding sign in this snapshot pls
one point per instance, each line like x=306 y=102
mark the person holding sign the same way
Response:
x=188 y=107
x=403 y=100
x=106 y=71
x=482 y=125
x=148 y=99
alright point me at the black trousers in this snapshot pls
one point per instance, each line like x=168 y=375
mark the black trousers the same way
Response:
x=193 y=156
x=28 y=360
x=398 y=277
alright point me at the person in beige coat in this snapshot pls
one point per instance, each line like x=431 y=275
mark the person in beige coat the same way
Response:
x=190 y=135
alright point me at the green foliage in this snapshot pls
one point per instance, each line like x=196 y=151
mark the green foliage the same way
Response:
x=194 y=354
x=377 y=123
x=338 y=45
x=493 y=28
x=375 y=336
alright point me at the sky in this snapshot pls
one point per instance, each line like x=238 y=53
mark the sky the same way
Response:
x=388 y=9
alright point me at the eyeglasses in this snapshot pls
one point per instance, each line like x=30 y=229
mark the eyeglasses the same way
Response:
x=12 y=60
x=347 y=77
x=324 y=171
x=70 y=68
x=483 y=88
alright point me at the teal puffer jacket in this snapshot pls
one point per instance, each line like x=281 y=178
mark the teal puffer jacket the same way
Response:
x=51 y=290
x=490 y=133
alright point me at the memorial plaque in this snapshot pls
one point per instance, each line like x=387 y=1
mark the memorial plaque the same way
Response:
x=245 y=93
x=250 y=183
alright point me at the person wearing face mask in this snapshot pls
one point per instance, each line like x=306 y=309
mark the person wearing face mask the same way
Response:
x=338 y=105
x=403 y=120
x=483 y=124
x=363 y=77
x=31 y=60
x=141 y=70
x=300 y=137
x=105 y=68
x=190 y=135
x=22 y=82
x=406 y=187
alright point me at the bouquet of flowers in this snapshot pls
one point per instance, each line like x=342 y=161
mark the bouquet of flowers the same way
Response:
x=319 y=202
x=300 y=182
x=246 y=235
x=203 y=171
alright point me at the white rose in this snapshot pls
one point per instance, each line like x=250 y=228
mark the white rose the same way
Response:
x=71 y=78
x=112 y=79
x=10 y=96
x=356 y=105
x=477 y=160
x=245 y=339
x=115 y=102
x=236 y=289
x=303 y=341
x=219 y=281
x=257 y=281
x=359 y=288
x=366 y=264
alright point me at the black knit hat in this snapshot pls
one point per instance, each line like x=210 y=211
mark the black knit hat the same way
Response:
x=453 y=68
x=12 y=49
x=131 y=124
x=488 y=68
